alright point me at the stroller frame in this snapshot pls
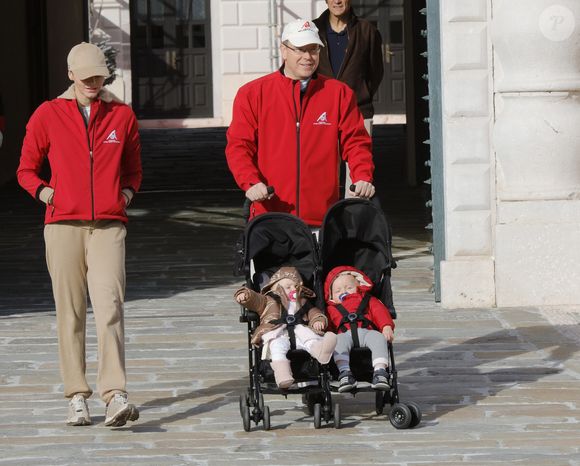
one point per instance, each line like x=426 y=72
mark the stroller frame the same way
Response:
x=318 y=400
x=252 y=406
x=251 y=403
x=366 y=245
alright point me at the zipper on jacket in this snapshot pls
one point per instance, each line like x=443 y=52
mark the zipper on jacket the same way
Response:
x=298 y=118
x=91 y=144
x=92 y=186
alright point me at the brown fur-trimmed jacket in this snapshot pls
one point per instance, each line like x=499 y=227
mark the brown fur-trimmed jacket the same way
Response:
x=266 y=306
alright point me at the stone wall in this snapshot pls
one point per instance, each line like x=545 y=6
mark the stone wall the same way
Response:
x=537 y=146
x=467 y=273
x=511 y=113
x=248 y=42
x=244 y=38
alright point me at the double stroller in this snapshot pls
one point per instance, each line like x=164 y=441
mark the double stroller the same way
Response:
x=355 y=232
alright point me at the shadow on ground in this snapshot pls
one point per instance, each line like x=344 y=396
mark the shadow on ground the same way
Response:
x=443 y=380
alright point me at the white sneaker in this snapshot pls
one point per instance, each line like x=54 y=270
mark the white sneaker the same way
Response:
x=119 y=411
x=78 y=412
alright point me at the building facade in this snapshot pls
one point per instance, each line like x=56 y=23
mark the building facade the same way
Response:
x=181 y=62
x=510 y=82
x=504 y=81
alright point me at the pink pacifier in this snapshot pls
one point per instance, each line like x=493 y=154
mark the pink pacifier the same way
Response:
x=292 y=295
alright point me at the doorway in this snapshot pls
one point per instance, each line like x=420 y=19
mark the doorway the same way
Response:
x=388 y=18
x=171 y=56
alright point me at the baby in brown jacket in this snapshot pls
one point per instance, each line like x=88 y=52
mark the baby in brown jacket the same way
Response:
x=286 y=289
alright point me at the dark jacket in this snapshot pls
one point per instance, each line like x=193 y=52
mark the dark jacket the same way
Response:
x=362 y=68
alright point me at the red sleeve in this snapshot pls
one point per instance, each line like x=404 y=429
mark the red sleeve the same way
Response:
x=354 y=139
x=131 y=171
x=242 y=141
x=35 y=147
x=380 y=315
x=334 y=318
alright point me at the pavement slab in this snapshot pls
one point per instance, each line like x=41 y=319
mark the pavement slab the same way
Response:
x=494 y=385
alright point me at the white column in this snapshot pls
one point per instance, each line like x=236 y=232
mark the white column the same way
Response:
x=537 y=143
x=467 y=273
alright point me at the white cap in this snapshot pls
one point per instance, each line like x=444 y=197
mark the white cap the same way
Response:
x=301 y=32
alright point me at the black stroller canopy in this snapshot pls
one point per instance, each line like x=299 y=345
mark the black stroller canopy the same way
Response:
x=274 y=240
x=355 y=232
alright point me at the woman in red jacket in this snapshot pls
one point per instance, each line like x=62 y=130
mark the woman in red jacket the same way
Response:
x=92 y=144
x=348 y=299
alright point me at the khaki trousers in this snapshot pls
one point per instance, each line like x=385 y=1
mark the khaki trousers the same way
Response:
x=81 y=256
x=347 y=182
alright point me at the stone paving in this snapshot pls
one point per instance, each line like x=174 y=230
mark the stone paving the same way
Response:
x=495 y=385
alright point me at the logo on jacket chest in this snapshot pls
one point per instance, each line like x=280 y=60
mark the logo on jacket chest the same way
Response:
x=322 y=120
x=112 y=138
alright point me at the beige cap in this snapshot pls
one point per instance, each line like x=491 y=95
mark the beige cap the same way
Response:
x=86 y=60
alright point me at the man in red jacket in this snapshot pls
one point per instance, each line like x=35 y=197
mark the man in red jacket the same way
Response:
x=285 y=129
x=92 y=144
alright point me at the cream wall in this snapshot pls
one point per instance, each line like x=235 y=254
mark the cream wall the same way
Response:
x=244 y=46
x=246 y=41
x=511 y=113
x=111 y=19
x=467 y=273
x=537 y=145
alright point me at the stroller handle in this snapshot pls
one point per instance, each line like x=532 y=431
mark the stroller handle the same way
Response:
x=373 y=200
x=248 y=203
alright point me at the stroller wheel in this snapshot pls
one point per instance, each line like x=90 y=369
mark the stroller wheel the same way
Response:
x=317 y=415
x=415 y=413
x=310 y=399
x=261 y=402
x=246 y=418
x=307 y=402
x=379 y=402
x=400 y=416
x=243 y=403
x=266 y=418
x=337 y=421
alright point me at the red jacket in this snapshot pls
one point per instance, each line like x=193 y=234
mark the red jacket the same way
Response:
x=292 y=144
x=377 y=312
x=89 y=166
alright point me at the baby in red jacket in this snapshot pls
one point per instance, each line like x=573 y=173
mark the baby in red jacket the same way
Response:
x=348 y=299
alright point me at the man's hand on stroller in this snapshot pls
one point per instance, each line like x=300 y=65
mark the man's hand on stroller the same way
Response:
x=363 y=189
x=259 y=192
x=388 y=333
